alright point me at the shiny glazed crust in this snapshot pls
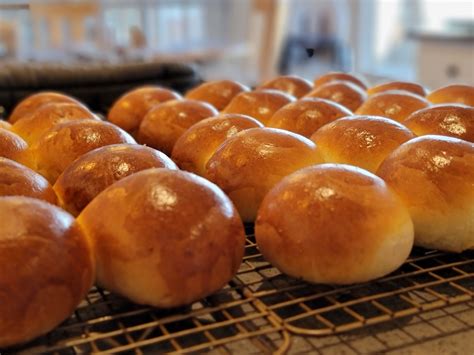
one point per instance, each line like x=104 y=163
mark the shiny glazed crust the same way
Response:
x=47 y=268
x=194 y=148
x=290 y=84
x=456 y=93
x=93 y=172
x=394 y=104
x=67 y=141
x=363 y=141
x=434 y=176
x=260 y=104
x=249 y=164
x=164 y=237
x=342 y=92
x=19 y=180
x=165 y=123
x=217 y=93
x=328 y=224
x=307 y=115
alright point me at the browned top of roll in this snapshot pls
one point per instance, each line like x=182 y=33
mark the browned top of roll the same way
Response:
x=333 y=76
x=333 y=223
x=30 y=128
x=67 y=141
x=291 y=84
x=19 y=180
x=343 y=92
x=307 y=115
x=394 y=104
x=398 y=85
x=260 y=104
x=457 y=93
x=165 y=123
x=5 y=125
x=433 y=172
x=93 y=172
x=47 y=268
x=173 y=229
x=218 y=93
x=454 y=120
x=13 y=147
x=194 y=148
x=33 y=102
x=363 y=141
x=128 y=111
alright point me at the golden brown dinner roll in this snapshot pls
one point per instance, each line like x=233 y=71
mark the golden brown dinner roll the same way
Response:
x=461 y=94
x=19 y=180
x=454 y=120
x=260 y=104
x=30 y=128
x=340 y=76
x=33 y=102
x=291 y=84
x=307 y=115
x=342 y=92
x=434 y=176
x=5 y=125
x=165 y=123
x=394 y=104
x=13 y=147
x=398 y=85
x=194 y=148
x=93 y=172
x=334 y=224
x=247 y=165
x=363 y=141
x=218 y=93
x=128 y=111
x=164 y=237
x=67 y=141
x=47 y=268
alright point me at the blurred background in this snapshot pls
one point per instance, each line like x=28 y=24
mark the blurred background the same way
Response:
x=429 y=41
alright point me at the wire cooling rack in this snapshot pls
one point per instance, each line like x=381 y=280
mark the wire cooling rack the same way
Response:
x=259 y=309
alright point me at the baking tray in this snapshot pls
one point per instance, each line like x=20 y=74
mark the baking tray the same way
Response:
x=261 y=310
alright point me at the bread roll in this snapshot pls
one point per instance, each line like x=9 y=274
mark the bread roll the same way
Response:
x=334 y=224
x=307 y=115
x=260 y=104
x=32 y=127
x=290 y=84
x=454 y=120
x=363 y=141
x=194 y=148
x=434 y=176
x=47 y=268
x=165 y=123
x=398 y=85
x=457 y=93
x=5 y=125
x=394 y=104
x=249 y=164
x=217 y=93
x=164 y=238
x=340 y=76
x=13 y=147
x=19 y=180
x=67 y=141
x=128 y=111
x=35 y=101
x=342 y=92
x=93 y=172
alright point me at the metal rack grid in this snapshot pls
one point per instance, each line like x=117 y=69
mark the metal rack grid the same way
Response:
x=260 y=307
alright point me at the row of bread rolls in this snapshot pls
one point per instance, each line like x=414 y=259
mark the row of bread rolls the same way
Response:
x=145 y=230
x=159 y=226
